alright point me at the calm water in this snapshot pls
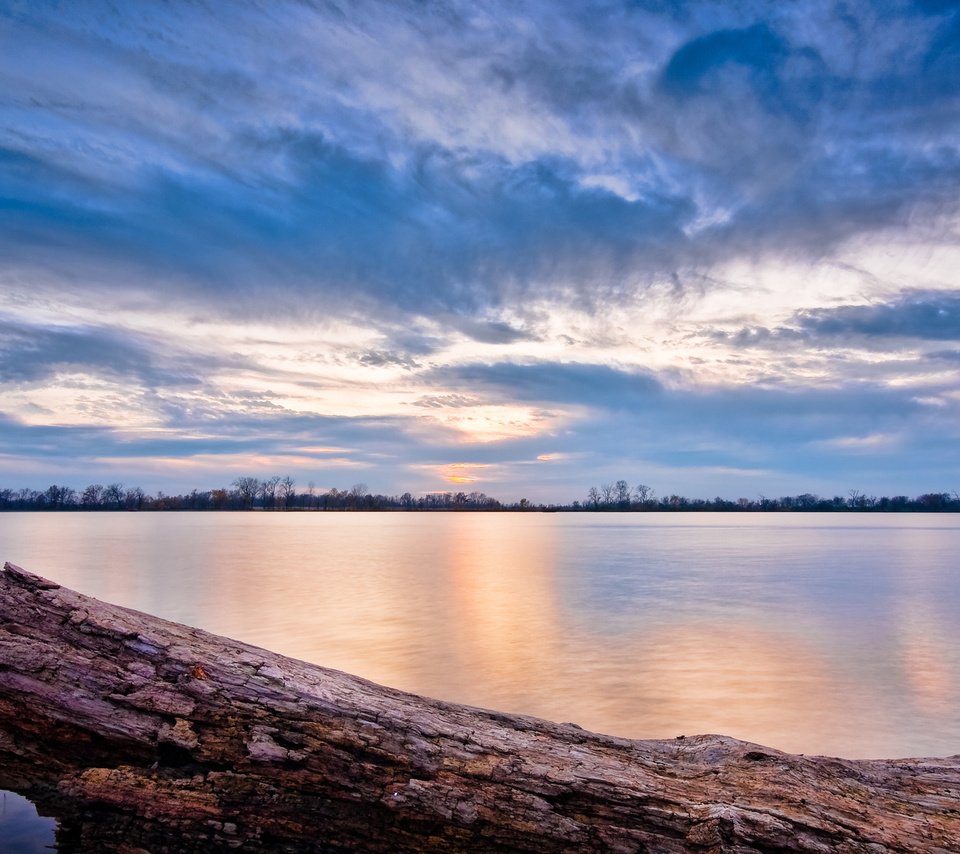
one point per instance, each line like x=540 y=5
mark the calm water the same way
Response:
x=834 y=634
x=22 y=831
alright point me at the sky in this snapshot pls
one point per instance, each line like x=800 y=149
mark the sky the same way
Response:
x=520 y=248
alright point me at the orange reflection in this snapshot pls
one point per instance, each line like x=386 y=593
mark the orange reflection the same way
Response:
x=925 y=658
x=503 y=593
x=926 y=640
x=736 y=680
x=928 y=676
x=499 y=610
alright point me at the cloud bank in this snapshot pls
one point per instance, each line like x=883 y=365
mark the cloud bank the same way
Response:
x=638 y=241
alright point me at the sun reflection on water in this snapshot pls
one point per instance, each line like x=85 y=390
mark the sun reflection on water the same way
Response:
x=811 y=634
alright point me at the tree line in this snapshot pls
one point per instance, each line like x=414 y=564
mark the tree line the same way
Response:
x=281 y=494
x=621 y=496
x=245 y=493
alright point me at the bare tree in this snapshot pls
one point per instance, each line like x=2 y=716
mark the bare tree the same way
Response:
x=114 y=495
x=286 y=490
x=134 y=498
x=59 y=497
x=92 y=495
x=247 y=489
x=643 y=493
x=268 y=490
x=358 y=492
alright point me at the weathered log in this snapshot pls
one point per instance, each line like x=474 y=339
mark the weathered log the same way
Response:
x=188 y=741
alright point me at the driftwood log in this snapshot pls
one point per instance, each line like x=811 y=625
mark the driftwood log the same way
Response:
x=148 y=735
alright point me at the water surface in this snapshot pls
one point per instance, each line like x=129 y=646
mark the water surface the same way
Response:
x=813 y=633
x=22 y=831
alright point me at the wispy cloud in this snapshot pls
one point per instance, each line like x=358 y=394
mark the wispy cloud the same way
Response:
x=697 y=238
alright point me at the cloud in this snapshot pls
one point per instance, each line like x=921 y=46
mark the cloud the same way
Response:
x=463 y=473
x=621 y=413
x=426 y=240
x=33 y=353
x=383 y=358
x=443 y=401
x=862 y=444
x=933 y=316
x=942 y=59
x=695 y=66
x=294 y=187
x=527 y=217
x=491 y=332
x=919 y=314
x=265 y=443
x=548 y=382
x=795 y=149
x=585 y=397
x=945 y=355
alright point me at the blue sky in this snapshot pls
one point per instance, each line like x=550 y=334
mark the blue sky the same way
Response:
x=521 y=248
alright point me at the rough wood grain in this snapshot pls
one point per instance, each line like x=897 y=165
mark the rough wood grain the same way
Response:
x=188 y=741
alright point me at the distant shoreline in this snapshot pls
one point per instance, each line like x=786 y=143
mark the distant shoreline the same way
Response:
x=504 y=509
x=278 y=494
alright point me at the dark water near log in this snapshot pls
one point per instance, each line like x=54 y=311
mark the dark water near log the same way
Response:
x=836 y=634
x=22 y=831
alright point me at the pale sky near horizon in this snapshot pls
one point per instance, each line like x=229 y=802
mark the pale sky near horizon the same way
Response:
x=521 y=248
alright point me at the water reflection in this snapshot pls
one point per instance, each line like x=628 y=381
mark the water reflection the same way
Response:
x=505 y=614
x=816 y=634
x=22 y=831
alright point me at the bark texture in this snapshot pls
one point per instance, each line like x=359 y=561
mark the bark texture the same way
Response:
x=182 y=741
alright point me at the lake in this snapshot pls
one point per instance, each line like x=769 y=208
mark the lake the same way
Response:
x=22 y=831
x=812 y=633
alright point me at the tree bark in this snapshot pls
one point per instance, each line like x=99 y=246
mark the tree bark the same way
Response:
x=142 y=732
